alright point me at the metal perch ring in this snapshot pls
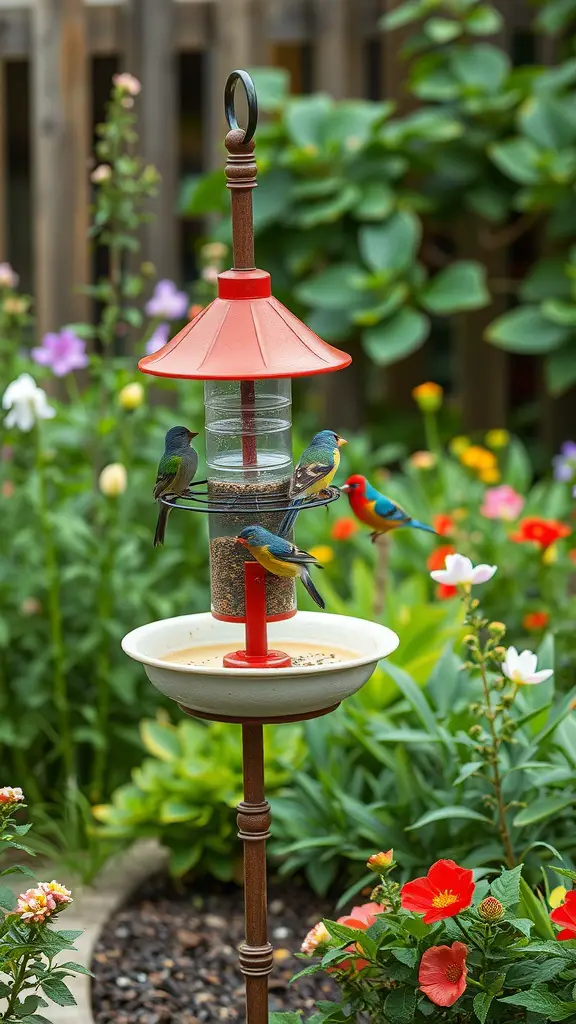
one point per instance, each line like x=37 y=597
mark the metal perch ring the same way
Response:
x=243 y=505
x=251 y=99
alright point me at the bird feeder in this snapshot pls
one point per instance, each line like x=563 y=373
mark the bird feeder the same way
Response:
x=247 y=347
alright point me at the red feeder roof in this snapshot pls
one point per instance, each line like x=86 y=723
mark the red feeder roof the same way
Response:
x=245 y=334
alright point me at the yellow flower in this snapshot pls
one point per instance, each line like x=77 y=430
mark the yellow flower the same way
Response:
x=131 y=396
x=380 y=861
x=428 y=396
x=323 y=552
x=489 y=476
x=557 y=897
x=423 y=460
x=550 y=555
x=459 y=514
x=497 y=438
x=113 y=480
x=459 y=444
x=476 y=457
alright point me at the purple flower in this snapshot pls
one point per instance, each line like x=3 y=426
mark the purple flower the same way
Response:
x=62 y=352
x=167 y=302
x=158 y=339
x=565 y=463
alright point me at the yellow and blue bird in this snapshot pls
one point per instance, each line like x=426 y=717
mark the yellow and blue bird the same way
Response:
x=280 y=557
x=314 y=472
x=376 y=510
x=176 y=470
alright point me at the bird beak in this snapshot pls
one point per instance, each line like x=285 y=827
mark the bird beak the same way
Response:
x=346 y=488
x=192 y=434
x=240 y=540
x=341 y=441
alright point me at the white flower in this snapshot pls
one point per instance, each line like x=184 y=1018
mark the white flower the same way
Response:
x=8 y=277
x=113 y=480
x=101 y=173
x=27 y=403
x=521 y=668
x=459 y=570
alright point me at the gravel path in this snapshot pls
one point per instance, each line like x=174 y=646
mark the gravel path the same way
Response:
x=171 y=956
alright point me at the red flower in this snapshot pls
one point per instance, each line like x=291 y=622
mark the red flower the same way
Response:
x=437 y=558
x=566 y=915
x=344 y=528
x=534 y=621
x=445 y=590
x=444 y=892
x=542 y=532
x=362 y=918
x=444 y=525
x=442 y=973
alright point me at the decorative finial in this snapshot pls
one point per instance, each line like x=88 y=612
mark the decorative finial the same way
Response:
x=241 y=170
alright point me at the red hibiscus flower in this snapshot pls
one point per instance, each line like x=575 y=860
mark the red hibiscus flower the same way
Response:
x=566 y=915
x=362 y=918
x=444 y=525
x=442 y=973
x=437 y=558
x=542 y=532
x=534 y=621
x=444 y=892
x=445 y=590
x=344 y=528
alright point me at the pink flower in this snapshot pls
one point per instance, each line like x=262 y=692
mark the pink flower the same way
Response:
x=37 y=905
x=62 y=352
x=317 y=937
x=8 y=277
x=157 y=340
x=11 y=795
x=127 y=83
x=101 y=173
x=167 y=302
x=502 y=503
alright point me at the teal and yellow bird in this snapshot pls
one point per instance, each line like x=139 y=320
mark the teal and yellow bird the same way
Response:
x=176 y=470
x=280 y=557
x=314 y=473
x=377 y=511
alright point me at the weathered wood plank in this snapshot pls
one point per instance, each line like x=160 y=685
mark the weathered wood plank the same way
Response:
x=338 y=44
x=60 y=146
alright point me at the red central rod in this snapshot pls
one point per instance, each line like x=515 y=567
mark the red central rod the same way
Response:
x=256 y=632
x=247 y=409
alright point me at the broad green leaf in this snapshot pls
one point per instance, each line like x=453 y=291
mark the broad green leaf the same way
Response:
x=541 y=809
x=202 y=194
x=526 y=330
x=555 y=15
x=467 y=770
x=458 y=287
x=329 y=324
x=543 y=1002
x=559 y=312
x=549 y=121
x=306 y=119
x=327 y=211
x=482 y=1003
x=560 y=369
x=332 y=288
x=482 y=65
x=272 y=87
x=7 y=898
x=442 y=30
x=393 y=244
x=58 y=992
x=403 y=14
x=400 y=1005
x=377 y=201
x=172 y=811
x=288 y=1018
x=161 y=740
x=506 y=887
x=532 y=907
x=484 y=20
x=448 y=814
x=518 y=159
x=546 y=279
x=523 y=975
x=396 y=338
x=414 y=695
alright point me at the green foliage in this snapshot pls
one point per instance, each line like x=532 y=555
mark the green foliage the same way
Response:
x=511 y=976
x=28 y=949
x=185 y=793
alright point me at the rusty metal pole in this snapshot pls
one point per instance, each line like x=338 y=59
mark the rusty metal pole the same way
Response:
x=255 y=953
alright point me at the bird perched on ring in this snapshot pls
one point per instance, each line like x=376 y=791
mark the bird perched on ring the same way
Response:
x=315 y=471
x=176 y=470
x=280 y=557
x=377 y=511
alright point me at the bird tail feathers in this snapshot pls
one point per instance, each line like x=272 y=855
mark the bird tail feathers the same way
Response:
x=307 y=581
x=421 y=526
x=290 y=518
x=161 y=525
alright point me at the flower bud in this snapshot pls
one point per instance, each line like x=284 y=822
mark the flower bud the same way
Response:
x=497 y=438
x=131 y=396
x=497 y=628
x=423 y=460
x=113 y=480
x=101 y=173
x=428 y=396
x=499 y=653
x=378 y=894
x=490 y=909
x=380 y=861
x=316 y=937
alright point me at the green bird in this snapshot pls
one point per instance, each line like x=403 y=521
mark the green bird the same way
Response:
x=176 y=470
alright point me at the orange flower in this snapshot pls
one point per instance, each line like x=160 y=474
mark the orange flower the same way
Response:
x=361 y=917
x=533 y=621
x=445 y=891
x=443 y=524
x=442 y=973
x=428 y=396
x=195 y=308
x=380 y=860
x=478 y=458
x=437 y=558
x=444 y=591
x=344 y=528
x=542 y=532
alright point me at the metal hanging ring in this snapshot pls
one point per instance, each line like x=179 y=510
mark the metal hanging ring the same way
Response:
x=251 y=98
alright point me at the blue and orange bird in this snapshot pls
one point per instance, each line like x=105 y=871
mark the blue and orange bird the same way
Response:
x=280 y=557
x=377 y=511
x=176 y=471
x=314 y=473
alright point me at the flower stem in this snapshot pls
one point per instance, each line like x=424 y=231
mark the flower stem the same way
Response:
x=19 y=980
x=496 y=780
x=60 y=692
x=105 y=610
x=431 y=431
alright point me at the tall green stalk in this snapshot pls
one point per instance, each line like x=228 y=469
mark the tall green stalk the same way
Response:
x=52 y=569
x=105 y=608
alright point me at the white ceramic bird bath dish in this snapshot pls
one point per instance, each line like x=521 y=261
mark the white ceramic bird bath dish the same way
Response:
x=333 y=655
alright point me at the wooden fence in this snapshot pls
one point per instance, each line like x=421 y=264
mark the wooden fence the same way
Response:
x=51 y=48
